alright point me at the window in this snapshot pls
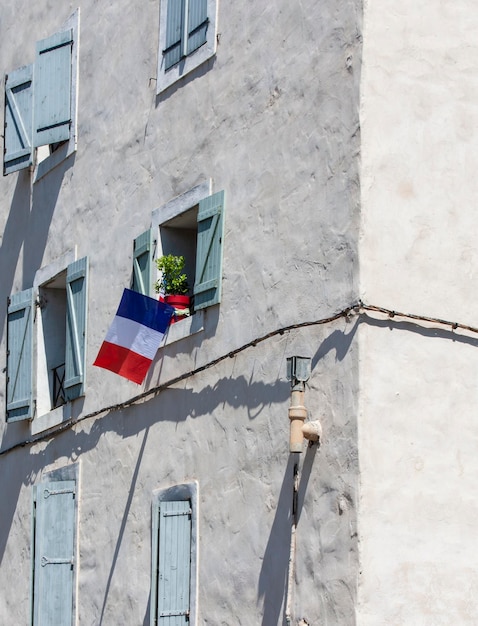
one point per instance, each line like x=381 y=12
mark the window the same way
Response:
x=44 y=379
x=174 y=560
x=187 y=38
x=40 y=104
x=191 y=225
x=54 y=550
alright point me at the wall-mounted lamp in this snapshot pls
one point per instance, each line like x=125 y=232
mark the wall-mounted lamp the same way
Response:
x=298 y=372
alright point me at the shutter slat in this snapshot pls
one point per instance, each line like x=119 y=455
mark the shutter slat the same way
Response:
x=52 y=88
x=76 y=322
x=143 y=263
x=207 y=288
x=18 y=120
x=20 y=356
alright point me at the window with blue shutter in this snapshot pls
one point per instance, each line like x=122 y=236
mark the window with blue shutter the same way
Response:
x=21 y=313
x=54 y=562
x=40 y=103
x=143 y=263
x=18 y=120
x=76 y=315
x=207 y=287
x=187 y=37
x=174 y=556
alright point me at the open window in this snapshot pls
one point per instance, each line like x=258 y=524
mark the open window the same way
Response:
x=40 y=104
x=46 y=344
x=191 y=226
x=187 y=38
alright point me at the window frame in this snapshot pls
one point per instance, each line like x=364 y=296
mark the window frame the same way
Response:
x=181 y=492
x=189 y=62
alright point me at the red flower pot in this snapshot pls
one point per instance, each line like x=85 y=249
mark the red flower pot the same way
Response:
x=180 y=303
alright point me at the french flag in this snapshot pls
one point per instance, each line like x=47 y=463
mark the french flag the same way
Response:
x=134 y=336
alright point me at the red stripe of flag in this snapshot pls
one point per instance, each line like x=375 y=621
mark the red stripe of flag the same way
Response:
x=122 y=361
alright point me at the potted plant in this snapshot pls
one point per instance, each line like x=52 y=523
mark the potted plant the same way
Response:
x=173 y=284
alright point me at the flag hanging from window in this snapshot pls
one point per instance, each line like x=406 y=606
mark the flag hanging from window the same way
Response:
x=134 y=336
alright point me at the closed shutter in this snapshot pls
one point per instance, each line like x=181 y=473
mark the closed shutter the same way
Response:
x=207 y=288
x=197 y=24
x=20 y=319
x=142 y=263
x=52 y=88
x=174 y=33
x=174 y=563
x=76 y=318
x=54 y=550
x=17 y=152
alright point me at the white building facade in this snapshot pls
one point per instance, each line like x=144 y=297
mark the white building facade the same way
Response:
x=313 y=165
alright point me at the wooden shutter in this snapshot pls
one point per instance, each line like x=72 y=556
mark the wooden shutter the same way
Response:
x=174 y=563
x=143 y=263
x=207 y=288
x=17 y=152
x=21 y=311
x=76 y=317
x=174 y=32
x=52 y=89
x=197 y=24
x=54 y=550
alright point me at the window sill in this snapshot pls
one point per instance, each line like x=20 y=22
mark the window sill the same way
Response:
x=51 y=419
x=185 y=328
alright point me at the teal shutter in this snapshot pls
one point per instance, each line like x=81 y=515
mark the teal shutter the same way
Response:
x=18 y=120
x=174 y=563
x=76 y=314
x=54 y=552
x=143 y=263
x=207 y=288
x=52 y=89
x=21 y=312
x=174 y=33
x=197 y=24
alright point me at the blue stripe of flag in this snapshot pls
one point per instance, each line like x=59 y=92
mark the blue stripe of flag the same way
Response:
x=145 y=310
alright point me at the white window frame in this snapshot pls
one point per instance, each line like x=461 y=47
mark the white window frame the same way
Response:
x=165 y=78
x=185 y=491
x=45 y=418
x=174 y=208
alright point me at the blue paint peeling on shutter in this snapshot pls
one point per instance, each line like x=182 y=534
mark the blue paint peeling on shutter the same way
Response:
x=21 y=311
x=54 y=561
x=207 y=288
x=174 y=563
x=76 y=318
x=197 y=24
x=143 y=263
x=18 y=120
x=52 y=89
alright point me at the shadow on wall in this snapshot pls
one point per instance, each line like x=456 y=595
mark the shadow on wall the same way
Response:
x=27 y=225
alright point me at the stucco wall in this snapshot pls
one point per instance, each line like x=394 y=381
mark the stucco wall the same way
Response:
x=417 y=426
x=272 y=120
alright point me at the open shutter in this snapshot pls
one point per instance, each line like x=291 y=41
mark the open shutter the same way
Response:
x=17 y=152
x=21 y=311
x=142 y=263
x=76 y=314
x=197 y=24
x=52 y=88
x=174 y=33
x=54 y=553
x=174 y=563
x=207 y=288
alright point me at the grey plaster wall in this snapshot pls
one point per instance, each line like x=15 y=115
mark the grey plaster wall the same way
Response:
x=272 y=120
